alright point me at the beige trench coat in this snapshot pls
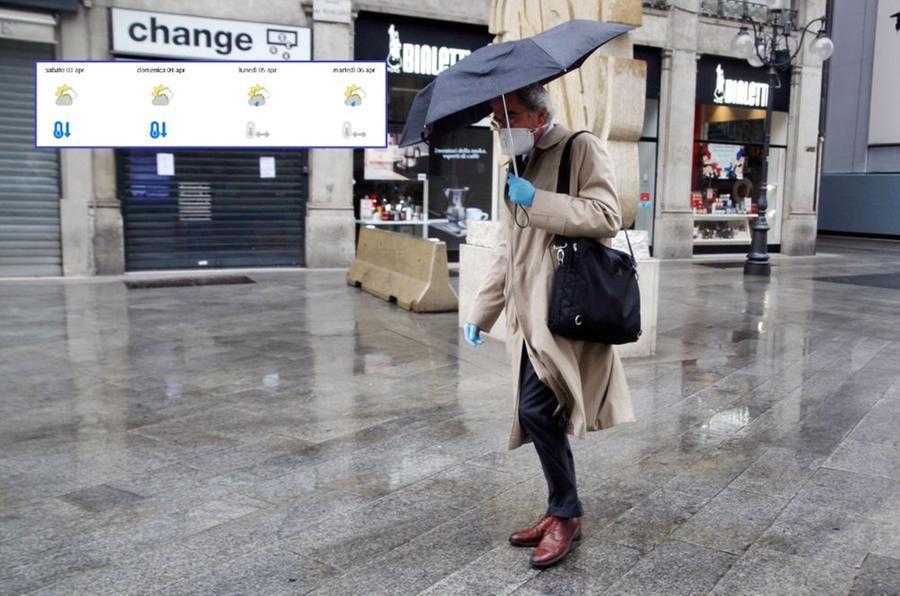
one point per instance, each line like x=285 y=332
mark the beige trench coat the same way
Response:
x=587 y=378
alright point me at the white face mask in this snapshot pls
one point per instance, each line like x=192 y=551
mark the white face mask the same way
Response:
x=516 y=141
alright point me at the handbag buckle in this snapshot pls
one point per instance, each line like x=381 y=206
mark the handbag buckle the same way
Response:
x=560 y=252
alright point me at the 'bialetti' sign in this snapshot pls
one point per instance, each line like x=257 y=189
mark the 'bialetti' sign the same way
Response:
x=724 y=81
x=142 y=33
x=419 y=47
x=423 y=59
x=737 y=92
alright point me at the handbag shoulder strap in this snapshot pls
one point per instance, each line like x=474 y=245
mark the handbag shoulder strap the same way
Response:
x=565 y=164
x=565 y=173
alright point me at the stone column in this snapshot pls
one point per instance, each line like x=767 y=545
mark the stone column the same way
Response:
x=330 y=226
x=76 y=174
x=606 y=95
x=108 y=241
x=799 y=217
x=673 y=232
x=90 y=213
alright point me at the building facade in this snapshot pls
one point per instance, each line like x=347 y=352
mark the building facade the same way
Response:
x=711 y=107
x=104 y=211
x=860 y=189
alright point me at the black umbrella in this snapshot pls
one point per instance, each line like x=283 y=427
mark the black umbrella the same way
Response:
x=461 y=94
x=415 y=119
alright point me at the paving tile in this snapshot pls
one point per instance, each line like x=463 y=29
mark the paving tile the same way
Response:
x=428 y=558
x=499 y=571
x=589 y=569
x=344 y=539
x=269 y=525
x=879 y=424
x=886 y=541
x=878 y=575
x=878 y=459
x=731 y=521
x=708 y=476
x=674 y=568
x=101 y=497
x=375 y=479
x=147 y=530
x=651 y=521
x=27 y=518
x=820 y=533
x=763 y=571
x=871 y=496
x=37 y=572
x=141 y=574
x=461 y=487
x=269 y=571
x=252 y=453
x=780 y=471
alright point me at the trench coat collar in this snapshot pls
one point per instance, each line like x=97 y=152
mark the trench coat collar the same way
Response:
x=552 y=137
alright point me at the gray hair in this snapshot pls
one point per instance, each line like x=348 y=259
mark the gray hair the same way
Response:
x=536 y=99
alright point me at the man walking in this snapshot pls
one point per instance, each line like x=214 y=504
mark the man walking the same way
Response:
x=561 y=386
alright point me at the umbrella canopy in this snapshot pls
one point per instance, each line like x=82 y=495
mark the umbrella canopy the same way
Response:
x=461 y=94
x=414 y=129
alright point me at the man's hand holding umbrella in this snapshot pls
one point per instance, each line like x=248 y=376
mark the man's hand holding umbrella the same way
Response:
x=521 y=191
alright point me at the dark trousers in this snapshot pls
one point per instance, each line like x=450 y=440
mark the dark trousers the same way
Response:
x=548 y=433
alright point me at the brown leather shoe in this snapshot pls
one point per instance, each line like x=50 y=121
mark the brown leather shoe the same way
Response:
x=557 y=541
x=531 y=536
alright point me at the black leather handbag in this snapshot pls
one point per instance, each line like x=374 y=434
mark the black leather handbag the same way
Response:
x=595 y=289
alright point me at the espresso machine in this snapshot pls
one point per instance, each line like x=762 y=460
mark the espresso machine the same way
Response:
x=456 y=205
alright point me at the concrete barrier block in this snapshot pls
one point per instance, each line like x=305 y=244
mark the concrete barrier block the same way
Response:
x=399 y=267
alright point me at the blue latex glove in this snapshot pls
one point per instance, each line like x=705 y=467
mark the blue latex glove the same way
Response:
x=473 y=334
x=521 y=191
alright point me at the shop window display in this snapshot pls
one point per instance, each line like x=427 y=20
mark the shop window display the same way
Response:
x=425 y=190
x=726 y=173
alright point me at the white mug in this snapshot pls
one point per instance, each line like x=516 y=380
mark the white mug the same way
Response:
x=475 y=213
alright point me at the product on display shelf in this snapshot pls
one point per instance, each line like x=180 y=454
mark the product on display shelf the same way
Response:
x=365 y=208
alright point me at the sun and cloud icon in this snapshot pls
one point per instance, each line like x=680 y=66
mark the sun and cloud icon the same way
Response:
x=353 y=95
x=65 y=95
x=162 y=95
x=258 y=95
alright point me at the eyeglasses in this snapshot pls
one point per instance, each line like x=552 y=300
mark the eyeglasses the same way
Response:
x=496 y=125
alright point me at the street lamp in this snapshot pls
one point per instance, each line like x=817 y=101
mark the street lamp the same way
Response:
x=768 y=43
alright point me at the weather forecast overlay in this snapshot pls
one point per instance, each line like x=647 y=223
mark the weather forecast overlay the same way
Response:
x=211 y=104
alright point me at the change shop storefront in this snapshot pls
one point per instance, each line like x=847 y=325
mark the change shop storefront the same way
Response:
x=728 y=136
x=208 y=208
x=428 y=190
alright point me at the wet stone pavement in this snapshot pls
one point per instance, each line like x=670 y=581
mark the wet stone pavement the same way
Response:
x=296 y=435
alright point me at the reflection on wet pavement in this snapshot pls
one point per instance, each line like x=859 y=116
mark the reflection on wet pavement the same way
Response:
x=296 y=435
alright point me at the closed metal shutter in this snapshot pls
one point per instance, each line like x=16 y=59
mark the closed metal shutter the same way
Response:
x=215 y=211
x=29 y=178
